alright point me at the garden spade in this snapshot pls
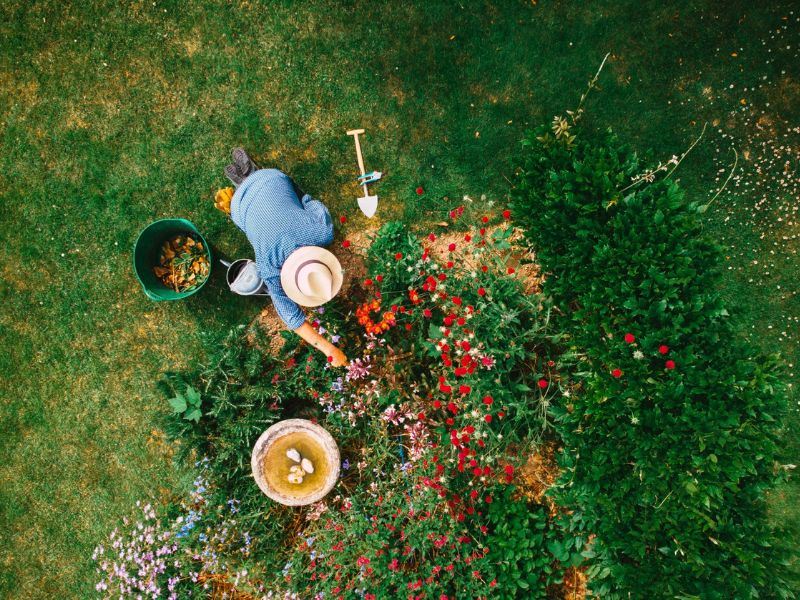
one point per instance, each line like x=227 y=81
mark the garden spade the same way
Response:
x=368 y=204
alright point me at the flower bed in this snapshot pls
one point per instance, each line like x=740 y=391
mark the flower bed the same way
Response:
x=448 y=393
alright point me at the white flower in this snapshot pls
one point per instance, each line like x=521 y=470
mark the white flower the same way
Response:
x=638 y=354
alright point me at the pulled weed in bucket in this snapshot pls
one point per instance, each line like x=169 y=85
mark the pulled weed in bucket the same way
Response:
x=182 y=263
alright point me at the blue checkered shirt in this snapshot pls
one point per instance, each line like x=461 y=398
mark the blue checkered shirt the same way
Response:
x=276 y=222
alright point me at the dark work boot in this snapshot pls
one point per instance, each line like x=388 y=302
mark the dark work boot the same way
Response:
x=232 y=172
x=243 y=161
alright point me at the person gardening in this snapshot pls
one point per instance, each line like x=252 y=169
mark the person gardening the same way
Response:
x=287 y=230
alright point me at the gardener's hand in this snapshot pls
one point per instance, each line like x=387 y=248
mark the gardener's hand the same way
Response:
x=339 y=358
x=335 y=356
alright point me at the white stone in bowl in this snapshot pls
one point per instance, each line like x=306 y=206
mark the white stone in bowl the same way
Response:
x=307 y=466
x=293 y=455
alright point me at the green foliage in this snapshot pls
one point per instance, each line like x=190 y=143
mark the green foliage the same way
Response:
x=525 y=547
x=671 y=438
x=393 y=238
x=187 y=404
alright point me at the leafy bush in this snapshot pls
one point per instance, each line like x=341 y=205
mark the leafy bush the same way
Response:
x=671 y=436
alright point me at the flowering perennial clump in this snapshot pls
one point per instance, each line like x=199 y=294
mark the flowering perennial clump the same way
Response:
x=159 y=557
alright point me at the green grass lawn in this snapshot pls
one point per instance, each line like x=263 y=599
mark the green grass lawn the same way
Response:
x=116 y=114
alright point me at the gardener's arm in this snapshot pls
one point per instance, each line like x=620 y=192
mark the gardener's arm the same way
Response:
x=310 y=335
x=318 y=211
x=292 y=315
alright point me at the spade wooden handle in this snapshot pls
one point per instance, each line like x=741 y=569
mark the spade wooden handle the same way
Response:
x=355 y=133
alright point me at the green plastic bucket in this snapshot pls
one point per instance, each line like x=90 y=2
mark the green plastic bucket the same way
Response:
x=145 y=256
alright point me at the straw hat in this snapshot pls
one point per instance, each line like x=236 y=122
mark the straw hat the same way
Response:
x=311 y=276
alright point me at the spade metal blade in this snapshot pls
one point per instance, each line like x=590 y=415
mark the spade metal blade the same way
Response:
x=368 y=205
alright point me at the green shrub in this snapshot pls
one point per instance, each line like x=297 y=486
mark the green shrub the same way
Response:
x=671 y=437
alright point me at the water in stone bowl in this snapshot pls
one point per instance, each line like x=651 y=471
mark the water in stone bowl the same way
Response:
x=295 y=462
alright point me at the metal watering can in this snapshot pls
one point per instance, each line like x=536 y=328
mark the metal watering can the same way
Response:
x=243 y=278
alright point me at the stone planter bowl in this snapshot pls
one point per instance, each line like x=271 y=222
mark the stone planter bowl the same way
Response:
x=270 y=464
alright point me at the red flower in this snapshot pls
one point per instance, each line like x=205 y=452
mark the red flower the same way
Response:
x=616 y=373
x=488 y=499
x=451 y=247
x=481 y=291
x=493 y=583
x=343 y=220
x=432 y=237
x=368 y=282
x=420 y=191
x=398 y=256
x=543 y=383
x=456 y=300
x=509 y=470
x=346 y=244
x=445 y=389
x=427 y=313
x=663 y=349
x=437 y=404
x=487 y=400
x=467 y=238
x=488 y=418
x=330 y=359
x=465 y=346
x=464 y=389
x=379 y=277
x=630 y=338
x=670 y=364
x=506 y=214
x=484 y=268
x=484 y=219
x=511 y=270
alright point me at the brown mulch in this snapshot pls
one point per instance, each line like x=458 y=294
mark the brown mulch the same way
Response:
x=574 y=586
x=538 y=474
x=220 y=588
